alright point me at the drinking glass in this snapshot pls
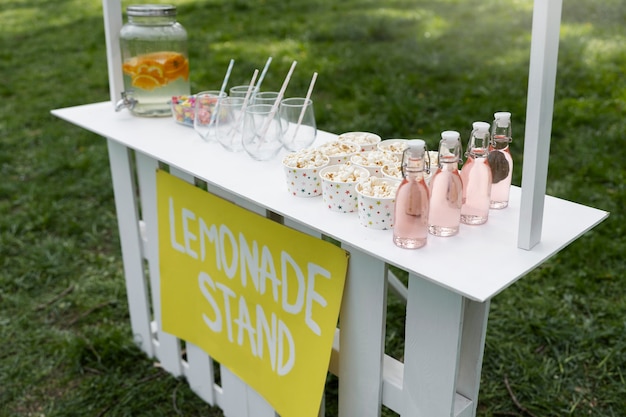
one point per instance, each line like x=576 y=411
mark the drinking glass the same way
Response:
x=261 y=132
x=206 y=108
x=298 y=122
x=240 y=91
x=266 y=97
x=228 y=128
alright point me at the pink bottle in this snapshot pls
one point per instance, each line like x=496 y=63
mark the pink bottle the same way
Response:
x=476 y=177
x=500 y=160
x=446 y=188
x=410 y=230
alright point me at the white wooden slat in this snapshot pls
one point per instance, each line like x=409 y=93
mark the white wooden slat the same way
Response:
x=167 y=346
x=434 y=319
x=112 y=11
x=362 y=336
x=544 y=51
x=234 y=399
x=475 y=317
x=131 y=244
x=199 y=367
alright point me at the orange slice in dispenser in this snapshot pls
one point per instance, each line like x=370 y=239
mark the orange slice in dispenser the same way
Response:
x=156 y=69
x=175 y=66
x=149 y=75
x=145 y=82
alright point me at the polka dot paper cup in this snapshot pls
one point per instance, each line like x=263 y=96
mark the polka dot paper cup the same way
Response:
x=339 y=186
x=365 y=140
x=376 y=202
x=302 y=173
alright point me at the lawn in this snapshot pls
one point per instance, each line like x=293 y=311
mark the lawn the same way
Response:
x=556 y=340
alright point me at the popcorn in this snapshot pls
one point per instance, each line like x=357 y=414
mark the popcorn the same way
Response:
x=338 y=148
x=434 y=158
x=396 y=146
x=392 y=170
x=345 y=173
x=306 y=158
x=374 y=158
x=360 y=138
x=378 y=187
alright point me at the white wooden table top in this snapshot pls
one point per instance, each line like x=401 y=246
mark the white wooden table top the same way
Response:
x=478 y=263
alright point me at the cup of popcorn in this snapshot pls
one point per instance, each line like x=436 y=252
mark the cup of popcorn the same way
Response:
x=373 y=161
x=338 y=151
x=394 y=146
x=338 y=186
x=365 y=140
x=302 y=171
x=376 y=198
x=392 y=171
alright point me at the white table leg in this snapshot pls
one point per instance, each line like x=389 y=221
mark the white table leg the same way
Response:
x=167 y=346
x=362 y=336
x=434 y=320
x=472 y=348
x=131 y=243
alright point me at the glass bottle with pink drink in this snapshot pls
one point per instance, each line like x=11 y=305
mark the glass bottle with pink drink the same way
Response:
x=446 y=188
x=476 y=177
x=500 y=160
x=410 y=230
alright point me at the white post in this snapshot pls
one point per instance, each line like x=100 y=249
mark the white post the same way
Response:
x=112 y=25
x=539 y=108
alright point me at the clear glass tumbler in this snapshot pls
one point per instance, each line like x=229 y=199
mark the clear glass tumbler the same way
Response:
x=298 y=122
x=229 y=126
x=261 y=132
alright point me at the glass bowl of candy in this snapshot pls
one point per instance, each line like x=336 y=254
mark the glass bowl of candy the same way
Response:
x=183 y=109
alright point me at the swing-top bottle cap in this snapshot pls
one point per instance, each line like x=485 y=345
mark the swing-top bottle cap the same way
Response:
x=481 y=127
x=417 y=144
x=450 y=136
x=502 y=118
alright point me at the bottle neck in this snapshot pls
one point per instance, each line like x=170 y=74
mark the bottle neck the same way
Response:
x=449 y=162
x=414 y=168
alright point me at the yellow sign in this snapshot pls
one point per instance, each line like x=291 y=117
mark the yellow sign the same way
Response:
x=259 y=297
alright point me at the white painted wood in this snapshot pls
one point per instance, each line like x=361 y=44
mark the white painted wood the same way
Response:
x=432 y=343
x=264 y=184
x=132 y=245
x=199 y=366
x=235 y=395
x=362 y=336
x=198 y=370
x=475 y=317
x=544 y=51
x=112 y=11
x=167 y=346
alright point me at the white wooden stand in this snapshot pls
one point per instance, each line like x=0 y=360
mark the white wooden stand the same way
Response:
x=447 y=298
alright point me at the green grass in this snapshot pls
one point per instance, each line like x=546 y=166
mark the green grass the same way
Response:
x=409 y=68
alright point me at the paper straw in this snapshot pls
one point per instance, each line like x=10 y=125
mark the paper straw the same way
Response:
x=227 y=76
x=270 y=117
x=306 y=100
x=247 y=97
x=265 y=68
x=224 y=83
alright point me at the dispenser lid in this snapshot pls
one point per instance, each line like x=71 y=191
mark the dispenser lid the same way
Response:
x=145 y=10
